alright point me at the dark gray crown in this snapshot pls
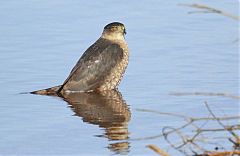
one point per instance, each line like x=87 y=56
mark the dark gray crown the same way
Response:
x=113 y=24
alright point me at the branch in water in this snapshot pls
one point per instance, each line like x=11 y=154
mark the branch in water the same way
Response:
x=208 y=9
x=205 y=94
x=158 y=150
x=194 y=136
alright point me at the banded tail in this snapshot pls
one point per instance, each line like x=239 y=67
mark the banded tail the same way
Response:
x=48 y=91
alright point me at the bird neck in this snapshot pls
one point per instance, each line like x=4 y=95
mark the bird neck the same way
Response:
x=112 y=35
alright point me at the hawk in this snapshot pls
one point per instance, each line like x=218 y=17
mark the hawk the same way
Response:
x=101 y=67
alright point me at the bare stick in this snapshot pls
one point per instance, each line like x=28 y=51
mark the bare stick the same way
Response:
x=192 y=142
x=220 y=123
x=205 y=94
x=189 y=121
x=158 y=150
x=233 y=127
x=208 y=9
x=225 y=153
x=163 y=113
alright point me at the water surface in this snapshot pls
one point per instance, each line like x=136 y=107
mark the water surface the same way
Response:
x=170 y=51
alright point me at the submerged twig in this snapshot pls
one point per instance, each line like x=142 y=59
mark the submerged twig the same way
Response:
x=189 y=121
x=158 y=150
x=220 y=123
x=225 y=153
x=205 y=94
x=191 y=142
x=208 y=9
x=187 y=117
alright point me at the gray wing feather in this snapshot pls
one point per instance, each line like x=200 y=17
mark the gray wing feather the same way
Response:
x=94 y=65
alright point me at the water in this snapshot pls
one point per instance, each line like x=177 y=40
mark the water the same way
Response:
x=170 y=51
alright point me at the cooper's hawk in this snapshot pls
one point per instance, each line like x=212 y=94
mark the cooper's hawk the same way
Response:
x=101 y=67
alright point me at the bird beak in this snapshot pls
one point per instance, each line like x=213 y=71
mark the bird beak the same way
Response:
x=124 y=32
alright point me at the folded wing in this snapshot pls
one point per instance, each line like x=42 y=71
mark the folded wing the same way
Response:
x=93 y=67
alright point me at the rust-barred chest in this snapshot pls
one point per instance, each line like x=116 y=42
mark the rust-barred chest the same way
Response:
x=116 y=74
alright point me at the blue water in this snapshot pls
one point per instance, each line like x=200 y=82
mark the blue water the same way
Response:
x=170 y=51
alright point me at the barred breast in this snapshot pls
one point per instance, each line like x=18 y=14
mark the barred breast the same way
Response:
x=116 y=74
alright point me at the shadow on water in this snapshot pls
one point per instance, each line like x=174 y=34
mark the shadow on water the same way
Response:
x=106 y=109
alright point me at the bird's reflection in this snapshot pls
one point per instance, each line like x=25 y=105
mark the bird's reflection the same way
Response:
x=106 y=109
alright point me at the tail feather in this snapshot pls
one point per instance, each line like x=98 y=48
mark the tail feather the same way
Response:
x=48 y=91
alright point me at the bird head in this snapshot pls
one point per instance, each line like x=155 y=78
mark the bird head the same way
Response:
x=114 y=30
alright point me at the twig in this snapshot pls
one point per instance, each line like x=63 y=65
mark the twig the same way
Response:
x=211 y=10
x=233 y=127
x=205 y=94
x=220 y=123
x=163 y=113
x=188 y=119
x=178 y=148
x=191 y=142
x=158 y=150
x=225 y=153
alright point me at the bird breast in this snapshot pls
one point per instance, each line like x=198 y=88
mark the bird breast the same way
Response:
x=116 y=74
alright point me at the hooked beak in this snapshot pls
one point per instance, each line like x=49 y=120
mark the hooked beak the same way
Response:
x=124 y=32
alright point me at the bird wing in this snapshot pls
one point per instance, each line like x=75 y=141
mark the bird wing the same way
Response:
x=94 y=65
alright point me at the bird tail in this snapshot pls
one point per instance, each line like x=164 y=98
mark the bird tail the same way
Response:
x=49 y=91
